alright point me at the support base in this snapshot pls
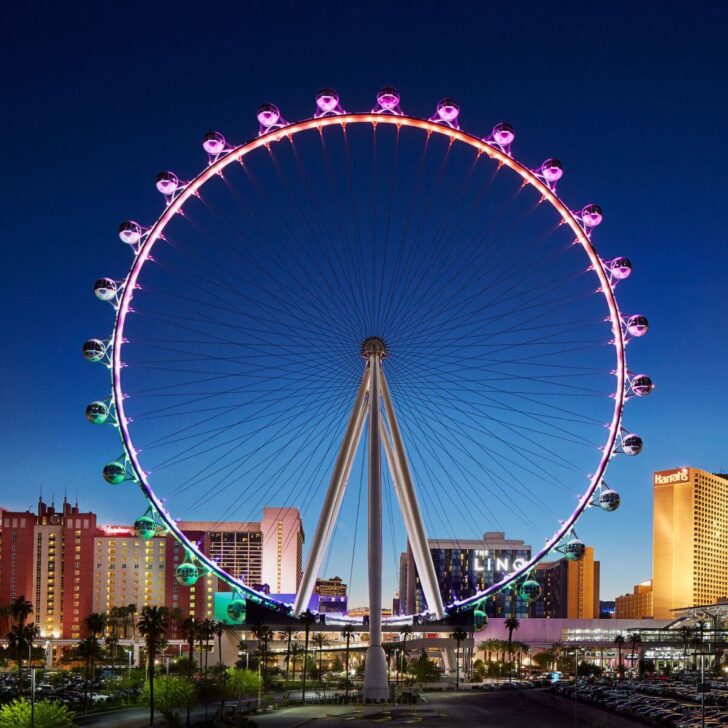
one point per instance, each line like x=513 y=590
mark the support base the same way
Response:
x=376 y=684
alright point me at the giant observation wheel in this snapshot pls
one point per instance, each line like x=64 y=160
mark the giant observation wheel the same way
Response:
x=371 y=277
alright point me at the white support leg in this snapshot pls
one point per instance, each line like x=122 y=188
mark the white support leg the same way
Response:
x=411 y=511
x=334 y=496
x=376 y=683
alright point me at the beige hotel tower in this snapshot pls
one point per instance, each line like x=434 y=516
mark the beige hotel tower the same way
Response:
x=690 y=539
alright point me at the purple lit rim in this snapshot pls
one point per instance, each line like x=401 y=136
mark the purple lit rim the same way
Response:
x=482 y=147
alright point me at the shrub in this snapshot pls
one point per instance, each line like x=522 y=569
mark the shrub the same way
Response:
x=48 y=714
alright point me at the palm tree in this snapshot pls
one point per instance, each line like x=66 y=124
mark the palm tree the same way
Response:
x=287 y=634
x=208 y=632
x=21 y=637
x=405 y=630
x=153 y=626
x=296 y=650
x=20 y=609
x=189 y=629
x=306 y=619
x=319 y=639
x=488 y=647
x=219 y=630
x=685 y=634
x=88 y=649
x=619 y=641
x=635 y=639
x=511 y=624
x=347 y=633
x=95 y=624
x=458 y=635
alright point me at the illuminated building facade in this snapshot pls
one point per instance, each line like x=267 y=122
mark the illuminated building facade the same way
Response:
x=47 y=557
x=332 y=595
x=569 y=589
x=282 y=532
x=637 y=605
x=128 y=569
x=689 y=539
x=464 y=567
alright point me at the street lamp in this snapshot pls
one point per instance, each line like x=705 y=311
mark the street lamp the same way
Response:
x=166 y=684
x=32 y=697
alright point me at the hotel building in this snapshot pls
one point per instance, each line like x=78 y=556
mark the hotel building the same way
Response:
x=637 y=605
x=689 y=540
x=464 y=567
x=569 y=589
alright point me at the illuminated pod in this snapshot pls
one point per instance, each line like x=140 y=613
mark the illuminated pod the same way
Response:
x=130 y=232
x=388 y=98
x=213 y=143
x=620 y=268
x=592 y=215
x=637 y=325
x=503 y=134
x=93 y=350
x=236 y=610
x=609 y=500
x=105 y=289
x=167 y=183
x=530 y=590
x=268 y=115
x=187 y=574
x=632 y=444
x=145 y=527
x=97 y=413
x=552 y=170
x=642 y=385
x=115 y=472
x=574 y=550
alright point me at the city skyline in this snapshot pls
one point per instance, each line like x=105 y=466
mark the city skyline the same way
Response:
x=661 y=202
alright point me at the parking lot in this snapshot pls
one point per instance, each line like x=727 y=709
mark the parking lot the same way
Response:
x=661 y=703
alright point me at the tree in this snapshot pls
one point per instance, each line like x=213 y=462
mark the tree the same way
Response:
x=287 y=634
x=511 y=624
x=242 y=682
x=131 y=610
x=458 y=635
x=306 y=619
x=208 y=632
x=47 y=714
x=347 y=633
x=619 y=641
x=219 y=631
x=405 y=631
x=95 y=624
x=179 y=692
x=153 y=627
x=424 y=670
x=488 y=647
x=88 y=650
x=19 y=610
x=189 y=629
x=296 y=652
x=319 y=639
x=685 y=635
x=635 y=639
x=21 y=638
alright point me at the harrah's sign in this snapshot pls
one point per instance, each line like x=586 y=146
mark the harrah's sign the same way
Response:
x=681 y=475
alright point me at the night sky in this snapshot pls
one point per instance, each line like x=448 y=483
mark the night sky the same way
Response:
x=98 y=99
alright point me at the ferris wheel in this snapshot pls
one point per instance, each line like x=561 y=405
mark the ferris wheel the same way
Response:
x=373 y=298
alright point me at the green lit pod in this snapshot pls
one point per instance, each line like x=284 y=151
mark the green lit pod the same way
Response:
x=530 y=590
x=115 y=473
x=236 y=610
x=187 y=574
x=97 y=413
x=145 y=527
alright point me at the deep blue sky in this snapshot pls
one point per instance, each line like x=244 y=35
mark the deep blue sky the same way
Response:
x=97 y=100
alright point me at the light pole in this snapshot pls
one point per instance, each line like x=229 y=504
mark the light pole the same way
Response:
x=32 y=697
x=166 y=684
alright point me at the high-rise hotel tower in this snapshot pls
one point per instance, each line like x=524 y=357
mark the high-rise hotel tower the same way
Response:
x=690 y=539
